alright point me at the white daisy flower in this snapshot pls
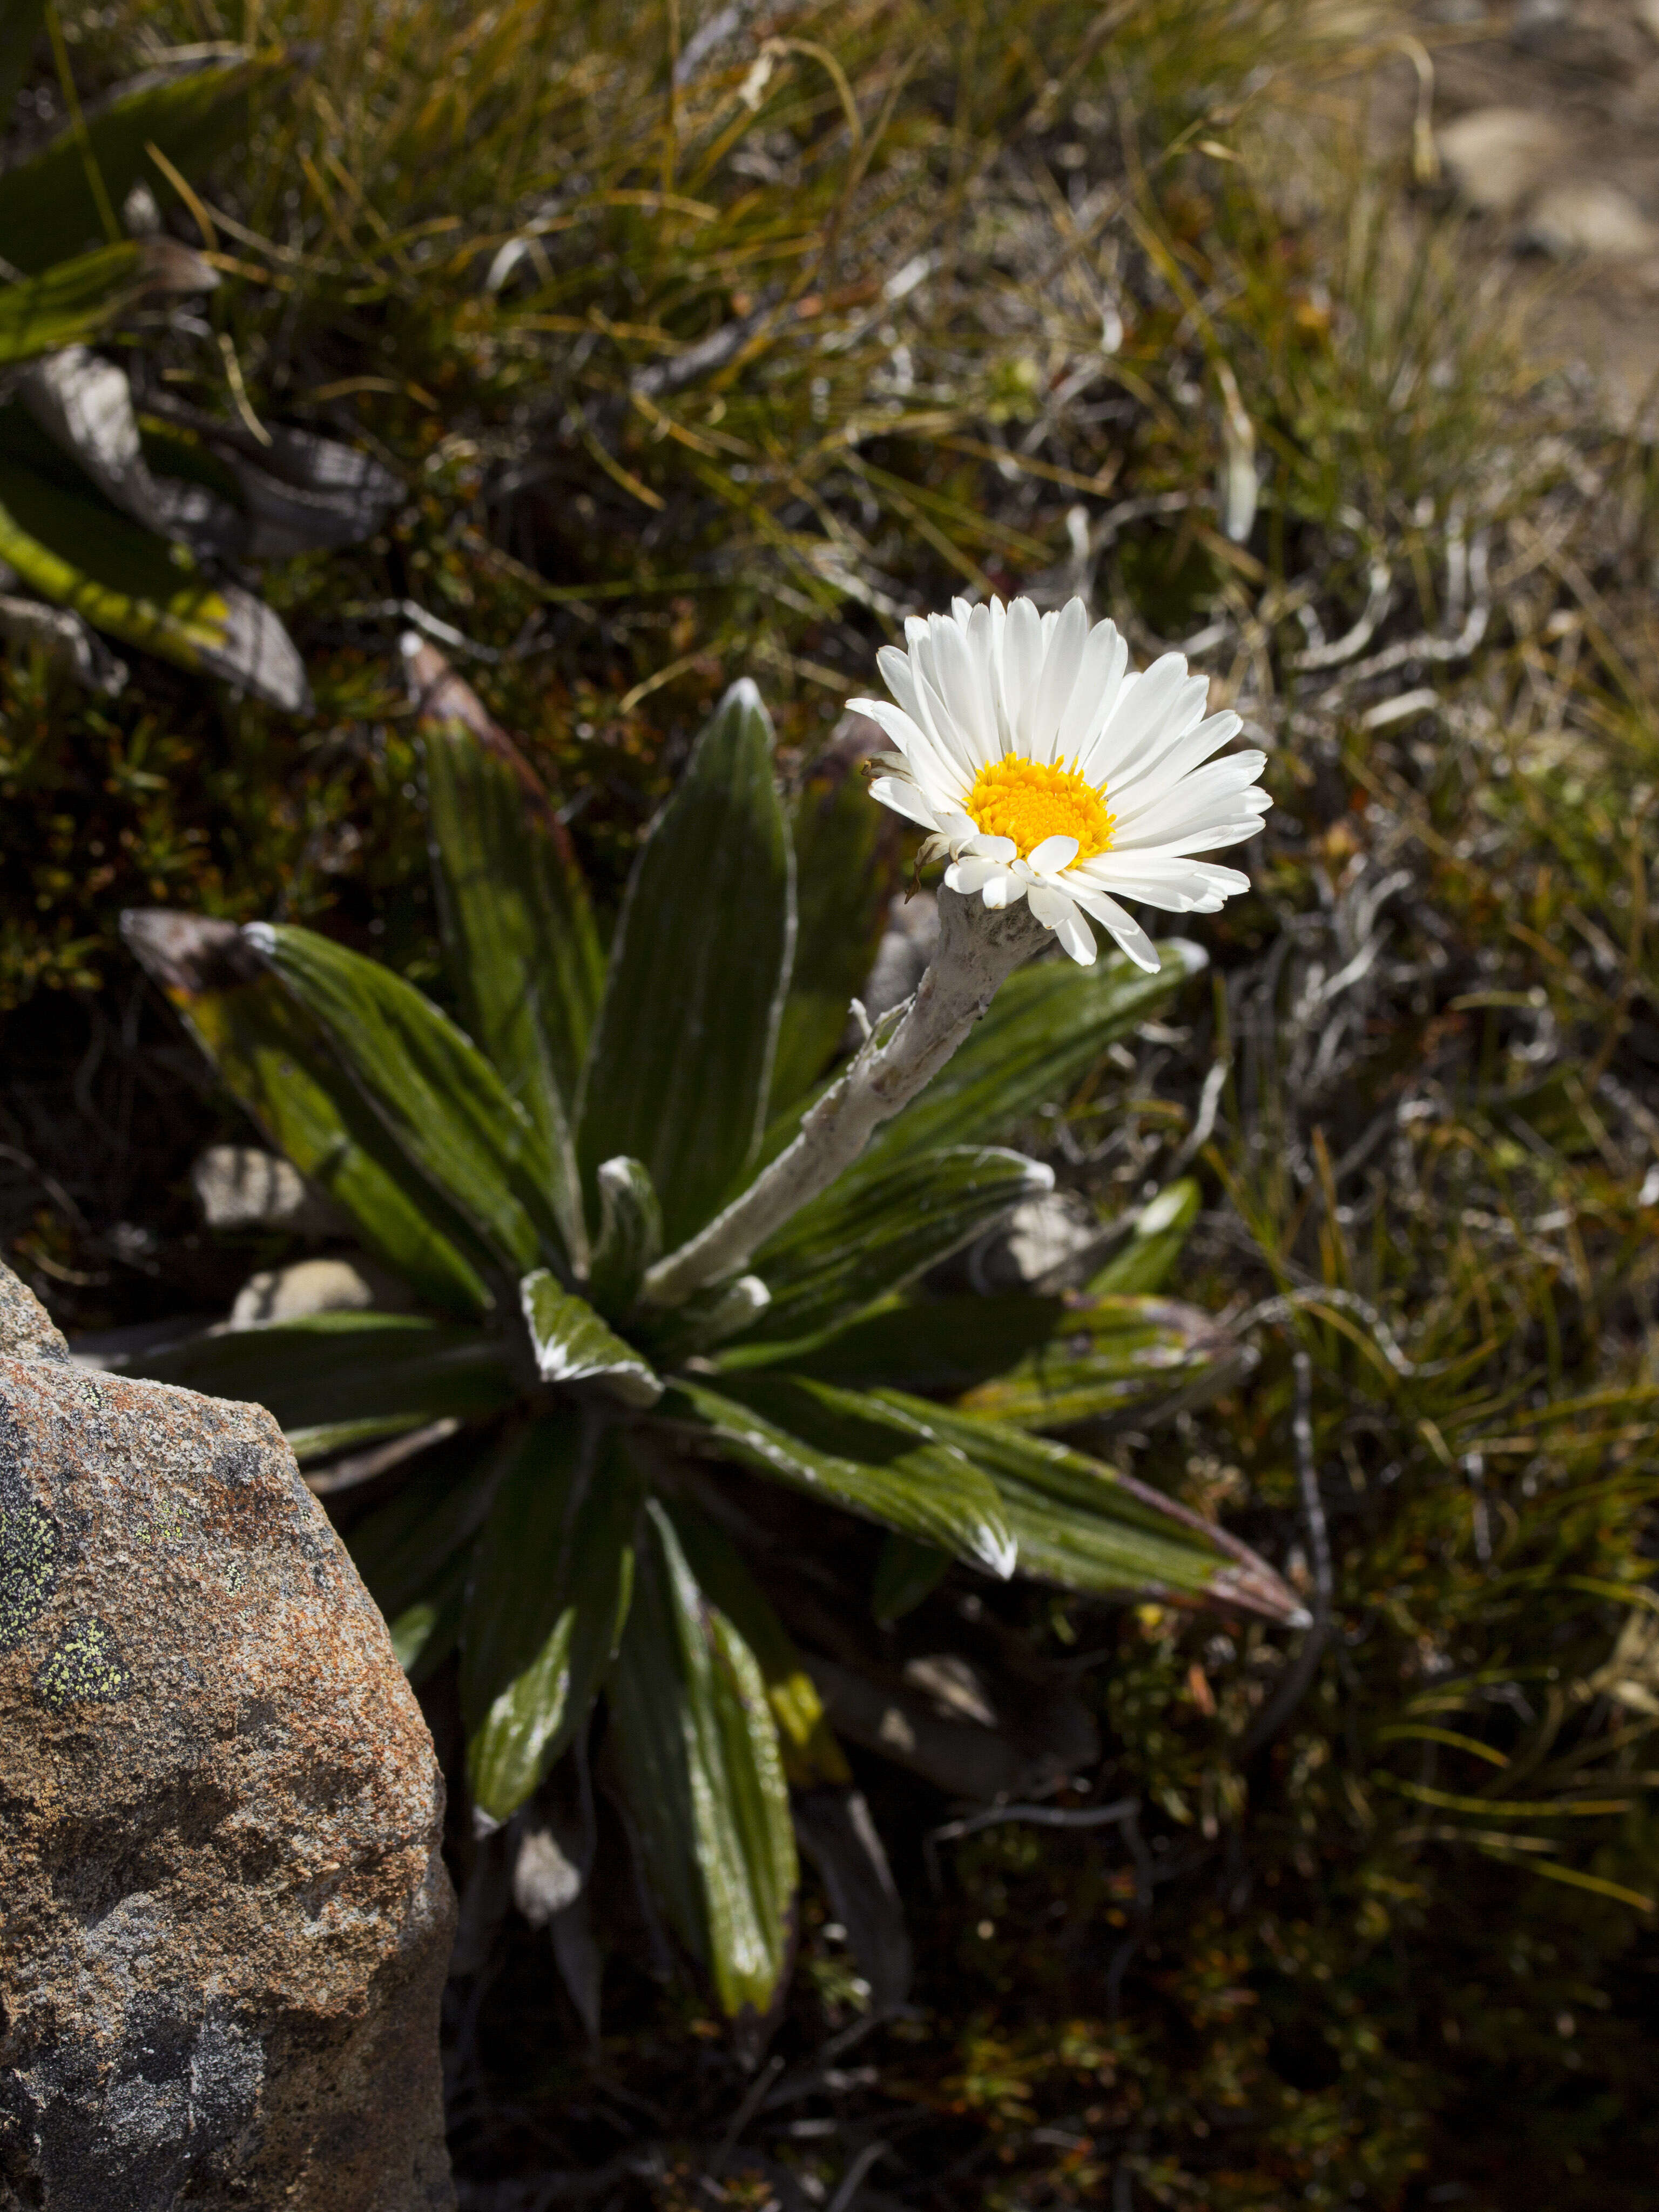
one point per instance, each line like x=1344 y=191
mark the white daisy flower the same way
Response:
x=1051 y=771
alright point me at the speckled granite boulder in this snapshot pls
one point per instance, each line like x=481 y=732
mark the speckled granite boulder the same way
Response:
x=224 y=1924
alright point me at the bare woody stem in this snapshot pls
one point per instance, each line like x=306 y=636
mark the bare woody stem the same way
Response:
x=977 y=951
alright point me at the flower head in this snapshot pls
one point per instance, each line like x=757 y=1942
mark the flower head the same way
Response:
x=1049 y=770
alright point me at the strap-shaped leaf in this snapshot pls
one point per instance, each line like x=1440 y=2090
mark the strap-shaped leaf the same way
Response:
x=1046 y=1028
x=1145 y=1262
x=631 y=1234
x=697 y=1747
x=572 y=1345
x=78 y=299
x=864 y=1238
x=681 y=1057
x=847 y=867
x=406 y=1547
x=885 y=1462
x=439 y=1098
x=906 y=1572
x=520 y=940
x=276 y=1061
x=1080 y=1523
x=77 y=551
x=397 y=1369
x=552 y=1578
x=1038 y=1362
x=46 y=206
x=812 y=1757
x=1105 y=1356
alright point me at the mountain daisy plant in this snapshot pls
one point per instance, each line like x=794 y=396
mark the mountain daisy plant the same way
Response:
x=682 y=1409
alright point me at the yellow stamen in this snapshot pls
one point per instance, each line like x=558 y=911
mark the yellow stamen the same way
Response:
x=1028 y=801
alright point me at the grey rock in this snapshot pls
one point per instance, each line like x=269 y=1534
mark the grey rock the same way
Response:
x=908 y=943
x=1497 y=156
x=225 y=1923
x=314 y=1286
x=1591 y=215
x=243 y=1187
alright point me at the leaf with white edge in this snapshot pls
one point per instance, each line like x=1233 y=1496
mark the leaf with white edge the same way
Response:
x=47 y=209
x=572 y=1345
x=438 y=1098
x=1107 y=1355
x=552 y=1580
x=279 y=1065
x=812 y=1757
x=697 y=1751
x=1144 y=1262
x=1041 y=1363
x=682 y=1056
x=394 y=1370
x=1080 y=1523
x=78 y=299
x=405 y=1548
x=520 y=940
x=887 y=1463
x=631 y=1234
x=863 y=1239
x=75 y=549
x=707 y=1319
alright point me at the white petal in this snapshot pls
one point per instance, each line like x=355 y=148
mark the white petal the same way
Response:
x=1175 y=884
x=1002 y=890
x=1021 y=669
x=1123 y=926
x=904 y=799
x=1163 y=765
x=1061 y=666
x=973 y=872
x=982 y=847
x=1105 y=657
x=937 y=773
x=967 y=704
x=1142 y=712
x=1053 y=854
x=1058 y=912
x=1224 y=788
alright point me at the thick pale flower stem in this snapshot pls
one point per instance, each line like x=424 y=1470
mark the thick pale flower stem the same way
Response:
x=977 y=951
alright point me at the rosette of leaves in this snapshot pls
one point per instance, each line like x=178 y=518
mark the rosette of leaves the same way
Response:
x=123 y=511
x=575 y=1522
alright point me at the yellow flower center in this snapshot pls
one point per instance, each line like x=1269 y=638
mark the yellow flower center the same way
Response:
x=1027 y=800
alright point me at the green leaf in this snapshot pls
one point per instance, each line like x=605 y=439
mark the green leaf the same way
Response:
x=1145 y=1261
x=519 y=940
x=811 y=1756
x=906 y=1572
x=1046 y=1028
x=1039 y=1363
x=697 y=1747
x=552 y=1578
x=846 y=868
x=78 y=299
x=1080 y=1523
x=47 y=211
x=682 y=1058
x=1105 y=1356
x=883 y=1462
x=277 y=1062
x=406 y=1549
x=631 y=1234
x=19 y=27
x=863 y=1239
x=339 y=1367
x=424 y=1633
x=69 y=544
x=437 y=1095
x=572 y=1345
